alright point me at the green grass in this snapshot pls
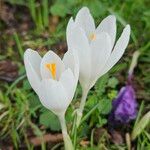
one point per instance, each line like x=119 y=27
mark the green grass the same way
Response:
x=21 y=113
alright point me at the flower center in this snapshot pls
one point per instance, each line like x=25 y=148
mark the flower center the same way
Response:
x=52 y=68
x=92 y=36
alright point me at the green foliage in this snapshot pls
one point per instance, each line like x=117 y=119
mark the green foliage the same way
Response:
x=59 y=9
x=39 y=13
x=18 y=44
x=69 y=115
x=139 y=127
x=112 y=94
x=104 y=106
x=49 y=120
x=112 y=82
x=96 y=7
x=16 y=2
x=26 y=85
x=91 y=102
x=101 y=85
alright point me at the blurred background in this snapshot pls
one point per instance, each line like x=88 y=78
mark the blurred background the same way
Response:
x=41 y=25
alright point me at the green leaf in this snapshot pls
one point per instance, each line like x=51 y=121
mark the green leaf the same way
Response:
x=50 y=120
x=34 y=104
x=101 y=122
x=140 y=126
x=112 y=82
x=96 y=8
x=112 y=94
x=69 y=114
x=118 y=68
x=105 y=106
x=59 y=9
x=84 y=130
x=34 y=101
x=91 y=102
x=26 y=85
x=101 y=84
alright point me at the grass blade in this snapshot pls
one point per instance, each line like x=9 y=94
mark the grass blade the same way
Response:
x=19 y=46
x=139 y=127
x=45 y=13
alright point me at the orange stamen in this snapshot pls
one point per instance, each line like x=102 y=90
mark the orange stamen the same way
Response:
x=92 y=36
x=52 y=68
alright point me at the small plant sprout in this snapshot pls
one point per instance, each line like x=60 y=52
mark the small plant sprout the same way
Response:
x=96 y=47
x=54 y=81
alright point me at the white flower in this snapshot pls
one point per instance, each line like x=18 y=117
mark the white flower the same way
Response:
x=54 y=80
x=96 y=47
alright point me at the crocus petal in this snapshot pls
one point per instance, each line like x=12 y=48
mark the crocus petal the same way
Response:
x=70 y=26
x=78 y=41
x=108 y=25
x=32 y=62
x=118 y=49
x=85 y=20
x=125 y=105
x=71 y=61
x=68 y=81
x=101 y=50
x=53 y=96
x=51 y=57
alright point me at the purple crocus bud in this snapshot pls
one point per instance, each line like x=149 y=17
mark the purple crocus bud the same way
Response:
x=124 y=106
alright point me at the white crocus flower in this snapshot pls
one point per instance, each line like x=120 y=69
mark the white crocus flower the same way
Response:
x=96 y=47
x=54 y=81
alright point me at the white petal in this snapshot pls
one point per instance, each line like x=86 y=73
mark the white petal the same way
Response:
x=108 y=25
x=77 y=41
x=71 y=61
x=101 y=50
x=32 y=62
x=51 y=57
x=118 y=49
x=53 y=96
x=85 y=20
x=68 y=81
x=70 y=25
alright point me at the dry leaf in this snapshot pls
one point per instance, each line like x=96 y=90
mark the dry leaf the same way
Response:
x=8 y=70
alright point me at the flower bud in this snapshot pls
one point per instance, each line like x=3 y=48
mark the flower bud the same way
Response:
x=124 y=106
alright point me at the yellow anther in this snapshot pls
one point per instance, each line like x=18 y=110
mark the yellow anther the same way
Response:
x=92 y=36
x=52 y=68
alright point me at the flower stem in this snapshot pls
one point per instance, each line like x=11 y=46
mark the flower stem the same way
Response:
x=67 y=140
x=82 y=104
